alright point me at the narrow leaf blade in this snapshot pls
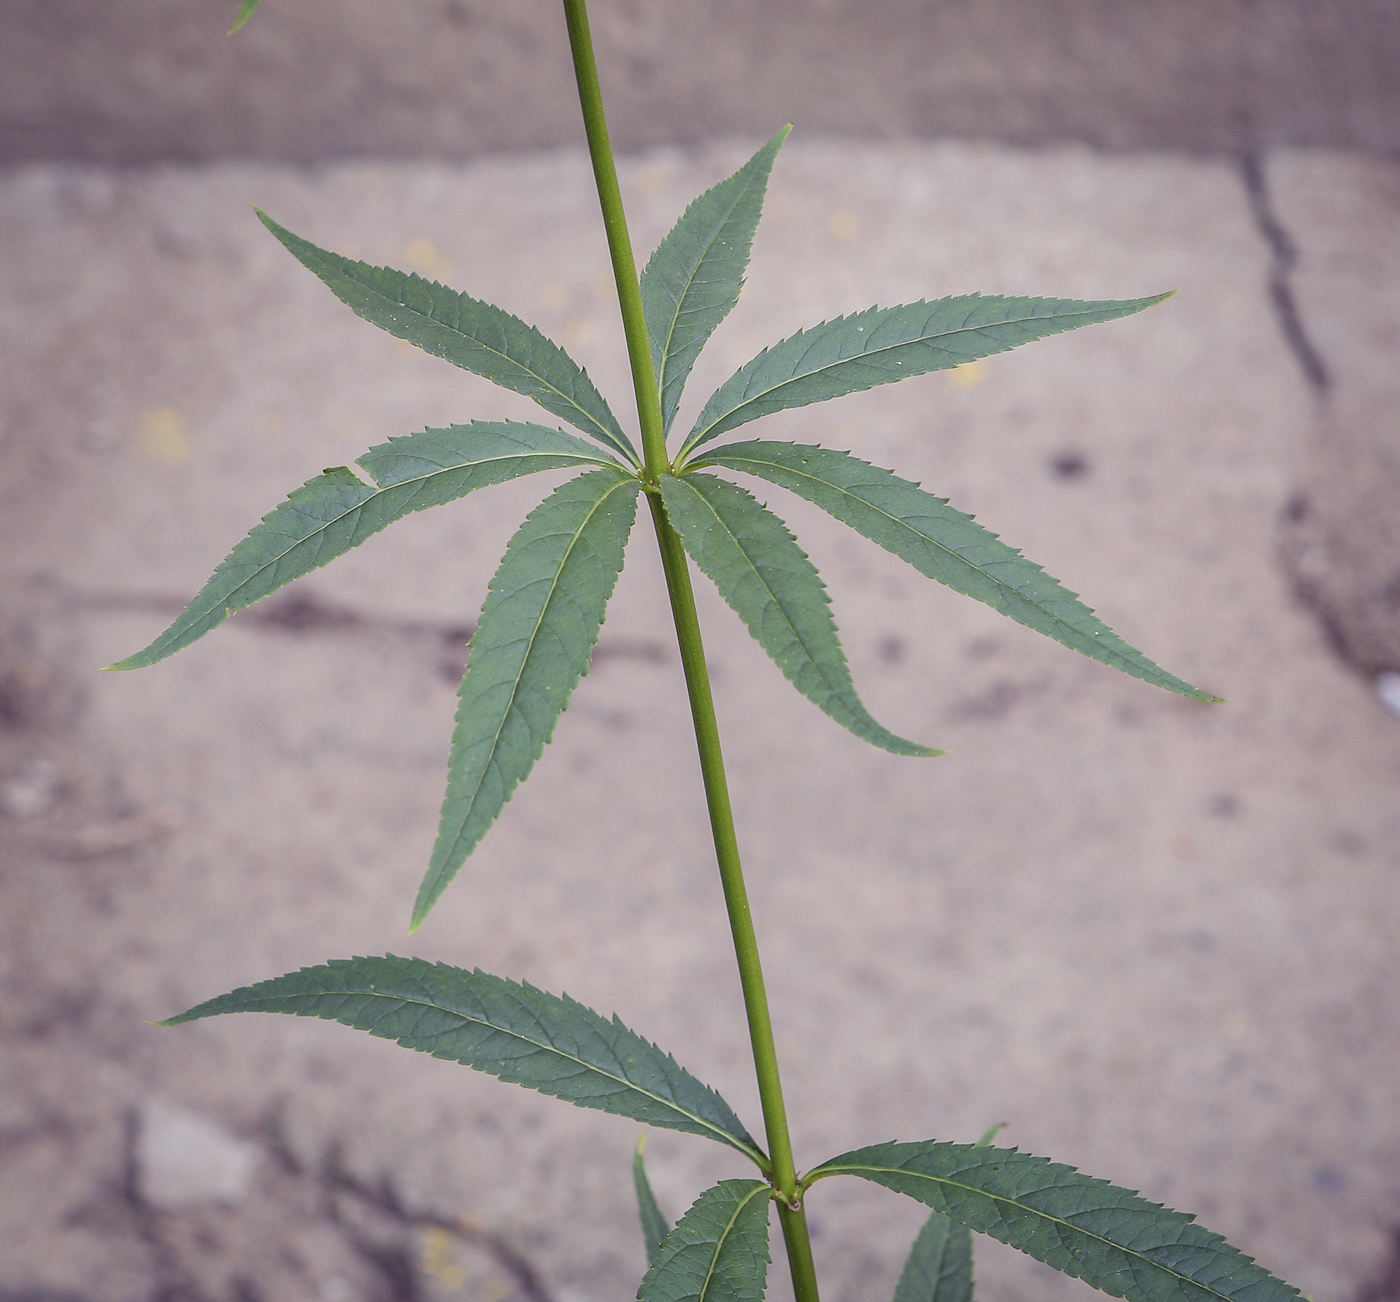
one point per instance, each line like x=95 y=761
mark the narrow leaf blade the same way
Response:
x=655 y=1226
x=545 y=1042
x=693 y=279
x=531 y=646
x=885 y=344
x=944 y=544
x=337 y=510
x=718 y=1252
x=939 y=1265
x=466 y=332
x=1107 y=1236
x=245 y=12
x=766 y=577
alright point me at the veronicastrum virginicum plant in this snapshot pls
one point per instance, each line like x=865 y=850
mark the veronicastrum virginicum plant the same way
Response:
x=533 y=642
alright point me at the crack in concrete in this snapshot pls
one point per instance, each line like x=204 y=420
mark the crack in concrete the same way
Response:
x=1283 y=252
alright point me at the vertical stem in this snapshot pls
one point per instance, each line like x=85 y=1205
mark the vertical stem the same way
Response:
x=731 y=872
x=697 y=677
x=629 y=293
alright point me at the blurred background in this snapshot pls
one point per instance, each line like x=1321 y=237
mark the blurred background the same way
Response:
x=1157 y=939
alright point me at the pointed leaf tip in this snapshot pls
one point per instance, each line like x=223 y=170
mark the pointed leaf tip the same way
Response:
x=943 y=544
x=342 y=507
x=767 y=579
x=532 y=644
x=693 y=279
x=511 y=1030
x=465 y=331
x=245 y=12
x=885 y=344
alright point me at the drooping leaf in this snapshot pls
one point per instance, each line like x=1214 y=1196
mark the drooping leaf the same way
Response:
x=338 y=510
x=245 y=12
x=944 y=544
x=719 y=1250
x=694 y=277
x=531 y=646
x=545 y=1042
x=765 y=576
x=939 y=1265
x=884 y=344
x=655 y=1226
x=1109 y=1237
x=466 y=332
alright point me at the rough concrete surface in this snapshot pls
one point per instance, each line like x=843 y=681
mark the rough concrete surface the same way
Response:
x=1155 y=938
x=307 y=79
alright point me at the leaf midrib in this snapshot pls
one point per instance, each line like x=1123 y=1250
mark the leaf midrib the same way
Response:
x=698 y=436
x=529 y=650
x=689 y=281
x=380 y=490
x=717 y=1131
x=894 y=519
x=801 y=641
x=593 y=424
x=1057 y=1220
x=724 y=1236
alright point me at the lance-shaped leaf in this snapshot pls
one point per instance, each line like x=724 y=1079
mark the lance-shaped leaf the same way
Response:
x=545 y=1042
x=718 y=1251
x=884 y=344
x=766 y=577
x=655 y=1226
x=939 y=1265
x=694 y=277
x=466 y=332
x=245 y=12
x=944 y=544
x=531 y=646
x=1109 y=1237
x=338 y=510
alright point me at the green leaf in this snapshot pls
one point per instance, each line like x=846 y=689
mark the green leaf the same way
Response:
x=545 y=1042
x=1107 y=1236
x=884 y=344
x=531 y=646
x=466 y=332
x=694 y=277
x=655 y=1226
x=245 y=12
x=338 y=510
x=719 y=1250
x=939 y=1265
x=766 y=577
x=944 y=544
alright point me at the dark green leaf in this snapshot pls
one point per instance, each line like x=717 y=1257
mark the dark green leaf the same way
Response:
x=545 y=1042
x=531 y=646
x=1107 y=1236
x=466 y=332
x=766 y=577
x=337 y=510
x=939 y=1265
x=884 y=344
x=655 y=1226
x=944 y=544
x=245 y=12
x=697 y=271
x=719 y=1250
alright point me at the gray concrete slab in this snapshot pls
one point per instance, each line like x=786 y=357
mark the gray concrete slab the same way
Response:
x=312 y=79
x=1155 y=938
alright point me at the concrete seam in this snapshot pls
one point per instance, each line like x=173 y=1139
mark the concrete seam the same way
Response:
x=1283 y=251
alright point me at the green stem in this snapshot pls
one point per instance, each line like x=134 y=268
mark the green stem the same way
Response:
x=629 y=292
x=783 y=1173
x=736 y=902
